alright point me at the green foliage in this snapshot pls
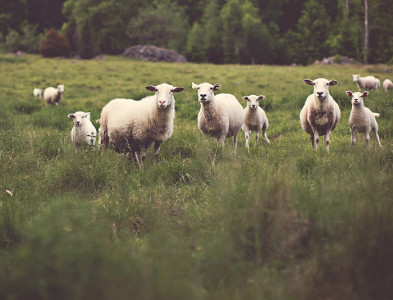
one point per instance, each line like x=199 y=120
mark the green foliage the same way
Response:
x=54 y=45
x=162 y=25
x=27 y=41
x=86 y=42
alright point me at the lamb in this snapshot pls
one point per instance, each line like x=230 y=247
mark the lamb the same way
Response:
x=362 y=119
x=53 y=95
x=368 y=82
x=320 y=114
x=254 y=119
x=387 y=85
x=130 y=126
x=37 y=93
x=83 y=130
x=220 y=116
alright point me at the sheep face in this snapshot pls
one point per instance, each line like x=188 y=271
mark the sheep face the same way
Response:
x=252 y=101
x=79 y=117
x=355 y=77
x=321 y=87
x=357 y=98
x=206 y=91
x=60 y=87
x=164 y=94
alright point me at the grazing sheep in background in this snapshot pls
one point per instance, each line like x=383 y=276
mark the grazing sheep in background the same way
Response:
x=133 y=126
x=83 y=130
x=320 y=114
x=387 y=84
x=254 y=119
x=53 y=95
x=368 y=82
x=362 y=119
x=37 y=93
x=220 y=116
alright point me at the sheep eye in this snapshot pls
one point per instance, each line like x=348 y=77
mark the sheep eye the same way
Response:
x=171 y=91
x=211 y=88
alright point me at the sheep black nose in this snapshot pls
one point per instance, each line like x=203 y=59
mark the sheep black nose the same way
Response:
x=77 y=123
x=319 y=93
x=203 y=95
x=253 y=106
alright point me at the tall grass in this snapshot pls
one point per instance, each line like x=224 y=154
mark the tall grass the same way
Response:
x=280 y=222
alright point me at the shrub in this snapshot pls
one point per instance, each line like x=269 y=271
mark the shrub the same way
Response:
x=28 y=40
x=54 y=45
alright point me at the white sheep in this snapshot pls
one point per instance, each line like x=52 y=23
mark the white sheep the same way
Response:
x=254 y=119
x=53 y=95
x=368 y=82
x=387 y=85
x=133 y=126
x=362 y=119
x=83 y=130
x=220 y=116
x=320 y=114
x=37 y=93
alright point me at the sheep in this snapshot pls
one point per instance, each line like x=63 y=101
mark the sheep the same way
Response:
x=387 y=85
x=220 y=116
x=254 y=119
x=37 y=93
x=368 y=82
x=53 y=95
x=361 y=118
x=83 y=130
x=320 y=114
x=130 y=126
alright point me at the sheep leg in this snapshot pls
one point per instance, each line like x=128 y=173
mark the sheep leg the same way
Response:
x=377 y=136
x=143 y=155
x=327 y=140
x=312 y=141
x=316 y=140
x=367 y=136
x=353 y=142
x=264 y=135
x=256 y=137
x=221 y=139
x=135 y=158
x=157 y=146
x=248 y=136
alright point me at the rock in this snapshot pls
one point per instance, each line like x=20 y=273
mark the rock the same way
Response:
x=153 y=53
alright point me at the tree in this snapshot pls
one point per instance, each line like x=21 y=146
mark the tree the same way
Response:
x=365 y=59
x=195 y=48
x=54 y=44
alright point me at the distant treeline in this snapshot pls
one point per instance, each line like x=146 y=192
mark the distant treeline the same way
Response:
x=217 y=31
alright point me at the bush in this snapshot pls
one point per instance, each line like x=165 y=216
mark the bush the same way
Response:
x=28 y=40
x=54 y=45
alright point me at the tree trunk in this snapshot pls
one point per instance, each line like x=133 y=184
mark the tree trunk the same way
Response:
x=347 y=8
x=365 y=59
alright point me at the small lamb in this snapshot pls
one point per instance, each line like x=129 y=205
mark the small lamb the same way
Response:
x=387 y=85
x=254 y=119
x=368 y=82
x=320 y=114
x=362 y=119
x=37 y=93
x=83 y=130
x=220 y=116
x=53 y=95
x=133 y=126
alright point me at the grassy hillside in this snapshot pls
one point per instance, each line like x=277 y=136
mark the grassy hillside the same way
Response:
x=280 y=222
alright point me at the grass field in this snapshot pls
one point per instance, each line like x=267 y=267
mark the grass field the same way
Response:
x=280 y=222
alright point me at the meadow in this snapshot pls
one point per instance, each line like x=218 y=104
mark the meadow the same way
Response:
x=280 y=222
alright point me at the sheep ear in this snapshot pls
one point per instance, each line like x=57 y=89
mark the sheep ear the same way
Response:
x=88 y=115
x=151 y=88
x=178 y=89
x=365 y=94
x=333 y=82
x=246 y=98
x=216 y=87
x=261 y=97
x=71 y=116
x=194 y=86
x=309 y=81
x=349 y=93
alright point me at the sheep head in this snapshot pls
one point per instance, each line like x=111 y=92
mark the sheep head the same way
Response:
x=357 y=97
x=321 y=87
x=206 y=91
x=79 y=117
x=164 y=94
x=252 y=100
